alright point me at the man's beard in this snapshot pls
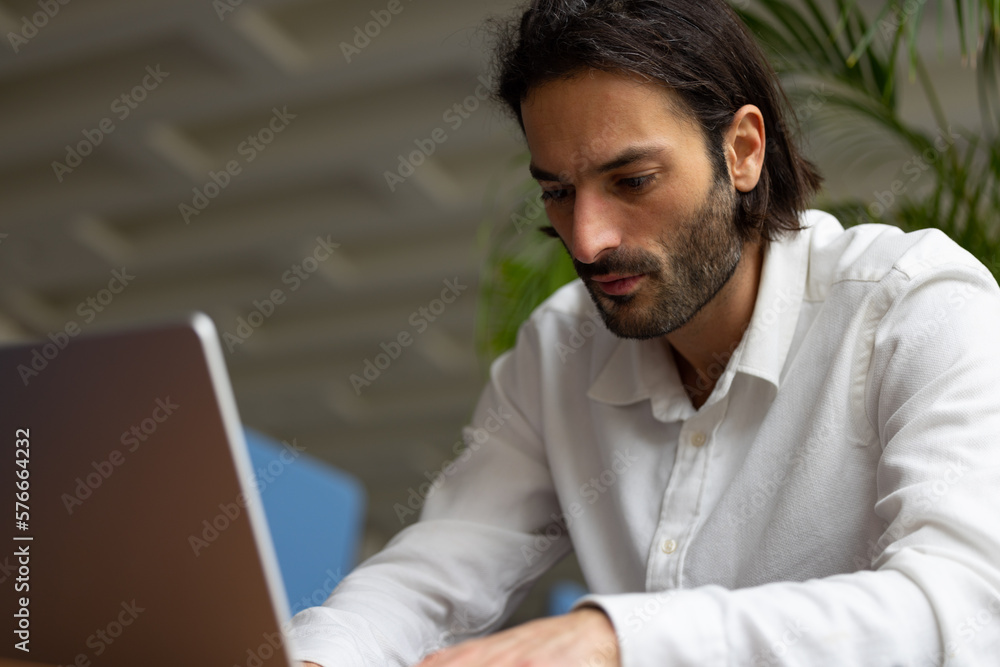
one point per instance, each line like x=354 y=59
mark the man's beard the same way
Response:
x=691 y=270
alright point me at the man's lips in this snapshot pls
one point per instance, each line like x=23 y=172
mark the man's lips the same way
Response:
x=615 y=285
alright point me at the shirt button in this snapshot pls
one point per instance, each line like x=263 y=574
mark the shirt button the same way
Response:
x=669 y=546
x=698 y=438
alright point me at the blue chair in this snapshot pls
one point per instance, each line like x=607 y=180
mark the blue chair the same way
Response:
x=315 y=514
x=563 y=594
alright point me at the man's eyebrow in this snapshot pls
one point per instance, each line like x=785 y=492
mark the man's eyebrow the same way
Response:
x=541 y=174
x=630 y=156
x=627 y=157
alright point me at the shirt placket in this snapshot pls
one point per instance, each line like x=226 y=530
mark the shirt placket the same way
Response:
x=681 y=503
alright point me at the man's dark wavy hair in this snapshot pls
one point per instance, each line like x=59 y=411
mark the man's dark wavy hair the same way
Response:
x=698 y=48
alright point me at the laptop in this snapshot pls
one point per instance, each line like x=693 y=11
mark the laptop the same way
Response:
x=133 y=533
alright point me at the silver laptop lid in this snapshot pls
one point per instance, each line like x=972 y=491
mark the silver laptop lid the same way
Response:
x=139 y=538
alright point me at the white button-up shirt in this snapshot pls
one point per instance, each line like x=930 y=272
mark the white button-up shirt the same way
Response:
x=835 y=501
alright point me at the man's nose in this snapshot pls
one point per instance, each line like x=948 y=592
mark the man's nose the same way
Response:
x=594 y=227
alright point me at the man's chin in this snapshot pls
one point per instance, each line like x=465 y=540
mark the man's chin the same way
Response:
x=615 y=302
x=633 y=331
x=624 y=321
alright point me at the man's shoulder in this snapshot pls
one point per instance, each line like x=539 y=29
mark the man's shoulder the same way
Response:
x=870 y=252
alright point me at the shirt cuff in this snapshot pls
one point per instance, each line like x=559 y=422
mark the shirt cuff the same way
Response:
x=333 y=639
x=670 y=627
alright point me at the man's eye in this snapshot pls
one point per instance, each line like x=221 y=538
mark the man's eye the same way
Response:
x=637 y=183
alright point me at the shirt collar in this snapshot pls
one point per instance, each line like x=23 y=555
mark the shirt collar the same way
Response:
x=640 y=370
x=776 y=311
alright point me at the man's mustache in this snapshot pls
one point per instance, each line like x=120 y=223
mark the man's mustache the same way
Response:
x=620 y=262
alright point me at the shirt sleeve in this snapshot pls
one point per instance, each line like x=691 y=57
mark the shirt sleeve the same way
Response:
x=462 y=569
x=932 y=596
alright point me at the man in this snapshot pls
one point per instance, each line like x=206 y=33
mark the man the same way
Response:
x=769 y=440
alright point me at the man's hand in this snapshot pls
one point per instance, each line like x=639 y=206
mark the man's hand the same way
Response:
x=571 y=640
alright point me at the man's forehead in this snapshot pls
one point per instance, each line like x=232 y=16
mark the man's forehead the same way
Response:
x=596 y=122
x=602 y=162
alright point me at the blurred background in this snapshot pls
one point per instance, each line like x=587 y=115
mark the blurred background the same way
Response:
x=338 y=153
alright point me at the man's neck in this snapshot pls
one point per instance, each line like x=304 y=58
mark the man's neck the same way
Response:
x=702 y=347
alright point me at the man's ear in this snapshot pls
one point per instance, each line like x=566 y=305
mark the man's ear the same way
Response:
x=745 y=147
